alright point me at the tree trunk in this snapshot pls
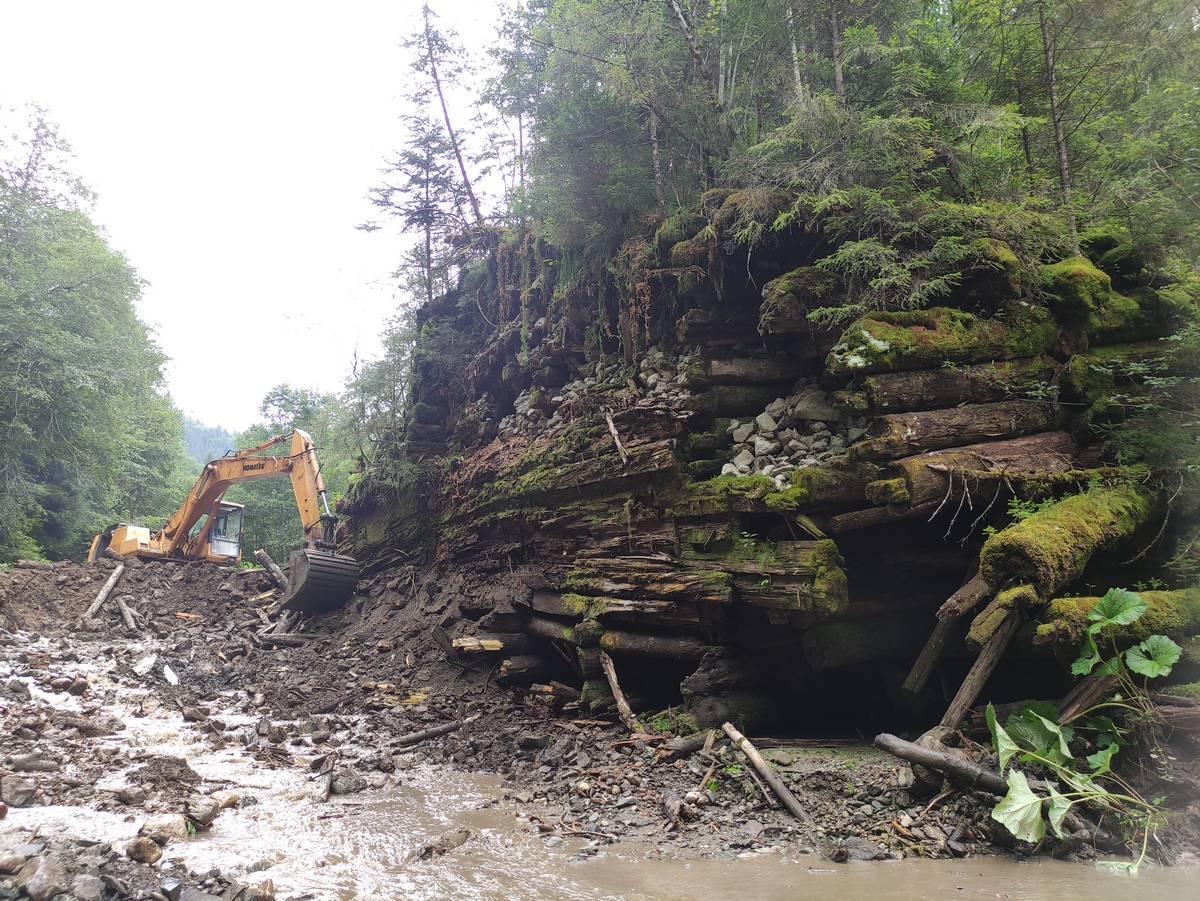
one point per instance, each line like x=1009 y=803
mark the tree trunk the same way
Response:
x=1056 y=114
x=901 y=434
x=839 y=87
x=437 y=83
x=102 y=596
x=660 y=192
x=929 y=389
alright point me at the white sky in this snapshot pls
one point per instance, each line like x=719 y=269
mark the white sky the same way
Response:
x=232 y=145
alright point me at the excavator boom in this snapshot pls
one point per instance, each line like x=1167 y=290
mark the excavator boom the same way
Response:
x=206 y=527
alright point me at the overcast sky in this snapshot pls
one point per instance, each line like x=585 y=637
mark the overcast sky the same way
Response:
x=232 y=145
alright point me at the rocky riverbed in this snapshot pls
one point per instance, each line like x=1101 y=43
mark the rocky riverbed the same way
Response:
x=203 y=708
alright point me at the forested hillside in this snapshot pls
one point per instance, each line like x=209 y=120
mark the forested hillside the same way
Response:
x=811 y=347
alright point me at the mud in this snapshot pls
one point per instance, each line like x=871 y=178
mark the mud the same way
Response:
x=321 y=715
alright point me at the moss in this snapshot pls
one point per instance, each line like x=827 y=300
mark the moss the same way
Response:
x=581 y=604
x=703 y=469
x=888 y=491
x=1173 y=613
x=746 y=215
x=994 y=614
x=1050 y=549
x=788 y=299
x=693 y=252
x=921 y=339
x=676 y=229
x=596 y=696
x=1189 y=690
x=830 y=587
x=1076 y=288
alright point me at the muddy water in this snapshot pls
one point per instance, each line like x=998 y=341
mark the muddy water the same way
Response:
x=368 y=845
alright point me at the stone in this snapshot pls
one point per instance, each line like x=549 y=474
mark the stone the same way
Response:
x=226 y=799
x=16 y=792
x=33 y=763
x=41 y=879
x=744 y=459
x=143 y=849
x=86 y=887
x=131 y=795
x=765 y=447
x=766 y=422
x=347 y=782
x=164 y=828
x=171 y=888
x=743 y=432
x=202 y=811
x=730 y=470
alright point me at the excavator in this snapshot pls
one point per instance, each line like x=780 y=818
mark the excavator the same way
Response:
x=208 y=528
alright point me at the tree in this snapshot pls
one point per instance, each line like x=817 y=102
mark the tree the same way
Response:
x=85 y=433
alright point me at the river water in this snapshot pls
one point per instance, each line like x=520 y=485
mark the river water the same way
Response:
x=368 y=845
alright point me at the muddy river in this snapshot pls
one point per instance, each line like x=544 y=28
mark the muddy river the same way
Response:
x=432 y=832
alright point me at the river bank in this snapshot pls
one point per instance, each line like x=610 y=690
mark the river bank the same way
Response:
x=198 y=718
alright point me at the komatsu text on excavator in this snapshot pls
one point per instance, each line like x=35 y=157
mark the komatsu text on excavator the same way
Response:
x=207 y=528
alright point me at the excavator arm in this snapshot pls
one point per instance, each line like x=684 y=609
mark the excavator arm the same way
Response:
x=301 y=465
x=321 y=579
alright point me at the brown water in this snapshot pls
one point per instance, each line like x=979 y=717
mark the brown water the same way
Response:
x=363 y=846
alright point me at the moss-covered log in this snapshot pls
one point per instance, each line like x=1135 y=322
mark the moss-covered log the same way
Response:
x=631 y=577
x=930 y=389
x=1050 y=549
x=936 y=475
x=901 y=434
x=1172 y=613
x=927 y=339
x=750 y=369
x=641 y=644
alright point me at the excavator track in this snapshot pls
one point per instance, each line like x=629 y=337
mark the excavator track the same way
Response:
x=320 y=582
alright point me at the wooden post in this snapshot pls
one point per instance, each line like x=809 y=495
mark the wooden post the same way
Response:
x=763 y=768
x=274 y=573
x=981 y=670
x=623 y=708
x=104 y=592
x=126 y=613
x=956 y=607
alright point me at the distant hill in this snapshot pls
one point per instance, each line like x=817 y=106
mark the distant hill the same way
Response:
x=203 y=442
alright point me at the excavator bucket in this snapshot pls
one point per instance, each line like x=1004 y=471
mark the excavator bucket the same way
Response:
x=320 y=582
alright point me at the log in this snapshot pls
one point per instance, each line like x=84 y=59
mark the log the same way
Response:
x=1050 y=549
x=979 y=468
x=763 y=769
x=949 y=615
x=981 y=670
x=877 y=516
x=556 y=691
x=126 y=613
x=494 y=642
x=554 y=630
x=1172 y=613
x=102 y=596
x=657 y=577
x=902 y=434
x=274 y=573
x=113 y=555
x=623 y=709
x=638 y=644
x=326 y=767
x=972 y=775
x=405 y=741
x=683 y=747
x=930 y=389
x=1088 y=691
x=523 y=668
x=616 y=437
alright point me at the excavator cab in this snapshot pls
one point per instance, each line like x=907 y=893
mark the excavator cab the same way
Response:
x=225 y=538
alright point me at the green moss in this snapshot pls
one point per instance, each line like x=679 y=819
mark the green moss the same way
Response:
x=995 y=613
x=596 y=696
x=888 y=491
x=1189 y=690
x=1076 y=288
x=693 y=252
x=925 y=338
x=830 y=588
x=1173 y=613
x=787 y=300
x=1049 y=549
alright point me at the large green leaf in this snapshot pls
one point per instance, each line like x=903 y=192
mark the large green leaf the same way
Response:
x=1001 y=740
x=1059 y=807
x=1089 y=656
x=1101 y=761
x=1119 y=606
x=1034 y=727
x=1153 y=657
x=1020 y=811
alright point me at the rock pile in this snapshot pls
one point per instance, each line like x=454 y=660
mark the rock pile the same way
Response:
x=661 y=376
x=793 y=432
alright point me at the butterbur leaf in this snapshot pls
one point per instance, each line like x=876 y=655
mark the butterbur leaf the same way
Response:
x=1119 y=606
x=1059 y=807
x=1106 y=730
x=1110 y=667
x=1034 y=726
x=1101 y=761
x=1153 y=657
x=1020 y=811
x=1001 y=740
x=1089 y=656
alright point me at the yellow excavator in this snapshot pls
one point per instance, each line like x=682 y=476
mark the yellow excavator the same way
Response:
x=208 y=528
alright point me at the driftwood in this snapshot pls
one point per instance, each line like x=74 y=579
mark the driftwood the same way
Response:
x=274 y=573
x=949 y=614
x=325 y=767
x=113 y=579
x=972 y=775
x=623 y=708
x=763 y=768
x=494 y=642
x=683 y=747
x=981 y=670
x=444 y=729
x=556 y=691
x=616 y=437
x=127 y=613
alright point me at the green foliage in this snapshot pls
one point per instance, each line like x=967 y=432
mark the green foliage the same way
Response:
x=1035 y=735
x=86 y=434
